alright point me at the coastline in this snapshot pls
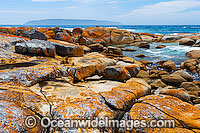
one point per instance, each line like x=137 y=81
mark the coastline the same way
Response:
x=83 y=74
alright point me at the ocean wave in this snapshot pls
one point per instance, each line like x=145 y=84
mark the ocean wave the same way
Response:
x=153 y=52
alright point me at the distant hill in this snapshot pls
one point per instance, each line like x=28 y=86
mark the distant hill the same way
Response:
x=70 y=22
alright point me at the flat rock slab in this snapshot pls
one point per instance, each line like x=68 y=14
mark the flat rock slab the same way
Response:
x=29 y=75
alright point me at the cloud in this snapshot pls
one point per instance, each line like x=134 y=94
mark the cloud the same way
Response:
x=173 y=12
x=166 y=7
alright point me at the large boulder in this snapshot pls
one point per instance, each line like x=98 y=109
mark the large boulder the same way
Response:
x=67 y=49
x=174 y=80
x=186 y=41
x=116 y=73
x=184 y=74
x=35 y=34
x=176 y=93
x=170 y=38
x=36 y=47
x=169 y=65
x=194 y=54
x=63 y=36
x=111 y=36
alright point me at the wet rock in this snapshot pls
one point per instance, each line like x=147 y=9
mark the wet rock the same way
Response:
x=35 y=34
x=176 y=93
x=158 y=83
x=36 y=47
x=116 y=73
x=141 y=44
x=28 y=76
x=140 y=56
x=160 y=46
x=174 y=80
x=196 y=101
x=190 y=86
x=13 y=117
x=195 y=54
x=169 y=65
x=186 y=41
x=96 y=47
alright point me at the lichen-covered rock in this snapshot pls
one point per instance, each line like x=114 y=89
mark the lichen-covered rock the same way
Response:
x=113 y=51
x=13 y=118
x=36 y=47
x=137 y=86
x=35 y=34
x=24 y=98
x=163 y=107
x=133 y=69
x=63 y=36
x=28 y=76
x=119 y=99
x=111 y=36
x=116 y=73
x=89 y=106
x=67 y=49
x=89 y=65
x=176 y=93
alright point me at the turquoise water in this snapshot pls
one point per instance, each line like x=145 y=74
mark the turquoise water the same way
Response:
x=173 y=52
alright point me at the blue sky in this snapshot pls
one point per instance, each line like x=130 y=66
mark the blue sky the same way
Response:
x=125 y=11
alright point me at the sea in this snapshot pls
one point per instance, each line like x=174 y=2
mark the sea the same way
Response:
x=172 y=52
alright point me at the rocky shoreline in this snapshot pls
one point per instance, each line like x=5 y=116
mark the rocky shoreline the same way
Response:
x=81 y=74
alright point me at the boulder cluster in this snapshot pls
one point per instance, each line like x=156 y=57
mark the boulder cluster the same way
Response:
x=79 y=74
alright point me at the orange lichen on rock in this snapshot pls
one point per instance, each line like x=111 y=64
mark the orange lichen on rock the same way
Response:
x=29 y=75
x=186 y=114
x=108 y=35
